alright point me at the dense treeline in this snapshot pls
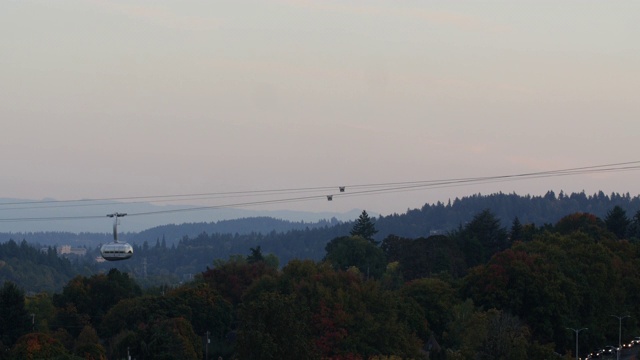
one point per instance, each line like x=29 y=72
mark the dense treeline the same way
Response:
x=175 y=253
x=57 y=238
x=190 y=254
x=172 y=232
x=40 y=269
x=245 y=226
x=539 y=210
x=438 y=217
x=482 y=291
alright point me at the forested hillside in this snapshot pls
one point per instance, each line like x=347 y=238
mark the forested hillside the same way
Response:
x=244 y=226
x=431 y=218
x=173 y=253
x=193 y=253
x=539 y=210
x=171 y=232
x=482 y=291
x=37 y=269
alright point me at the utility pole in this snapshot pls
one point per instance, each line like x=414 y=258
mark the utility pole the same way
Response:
x=619 y=332
x=206 y=347
x=577 y=331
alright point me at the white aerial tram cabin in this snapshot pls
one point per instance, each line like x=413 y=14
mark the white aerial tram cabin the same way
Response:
x=116 y=250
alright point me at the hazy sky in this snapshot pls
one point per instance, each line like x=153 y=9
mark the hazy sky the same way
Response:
x=138 y=98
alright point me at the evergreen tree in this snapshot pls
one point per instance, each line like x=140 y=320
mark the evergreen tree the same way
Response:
x=14 y=319
x=617 y=221
x=516 y=230
x=633 y=230
x=256 y=255
x=364 y=227
x=482 y=238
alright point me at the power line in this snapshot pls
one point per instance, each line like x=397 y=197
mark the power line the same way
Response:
x=233 y=194
x=319 y=192
x=169 y=198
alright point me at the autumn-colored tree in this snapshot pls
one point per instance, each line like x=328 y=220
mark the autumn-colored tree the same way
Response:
x=88 y=346
x=38 y=346
x=232 y=278
x=351 y=315
x=587 y=223
x=329 y=323
x=525 y=285
x=557 y=281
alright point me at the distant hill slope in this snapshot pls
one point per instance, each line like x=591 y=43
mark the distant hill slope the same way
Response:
x=170 y=233
x=35 y=270
x=538 y=210
x=183 y=250
x=431 y=218
x=90 y=216
x=434 y=218
x=243 y=226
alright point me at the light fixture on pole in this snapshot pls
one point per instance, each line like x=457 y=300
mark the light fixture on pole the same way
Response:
x=577 y=331
x=619 y=332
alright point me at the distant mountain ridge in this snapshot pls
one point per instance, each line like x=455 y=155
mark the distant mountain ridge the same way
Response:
x=171 y=233
x=243 y=226
x=183 y=250
x=538 y=210
x=90 y=217
x=438 y=218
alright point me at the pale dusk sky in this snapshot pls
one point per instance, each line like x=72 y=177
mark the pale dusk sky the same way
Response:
x=102 y=99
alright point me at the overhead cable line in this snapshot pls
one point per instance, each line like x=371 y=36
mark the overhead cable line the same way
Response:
x=232 y=194
x=70 y=204
x=355 y=190
x=166 y=197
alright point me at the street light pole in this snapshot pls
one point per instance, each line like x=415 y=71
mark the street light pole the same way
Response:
x=619 y=332
x=206 y=347
x=577 y=331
